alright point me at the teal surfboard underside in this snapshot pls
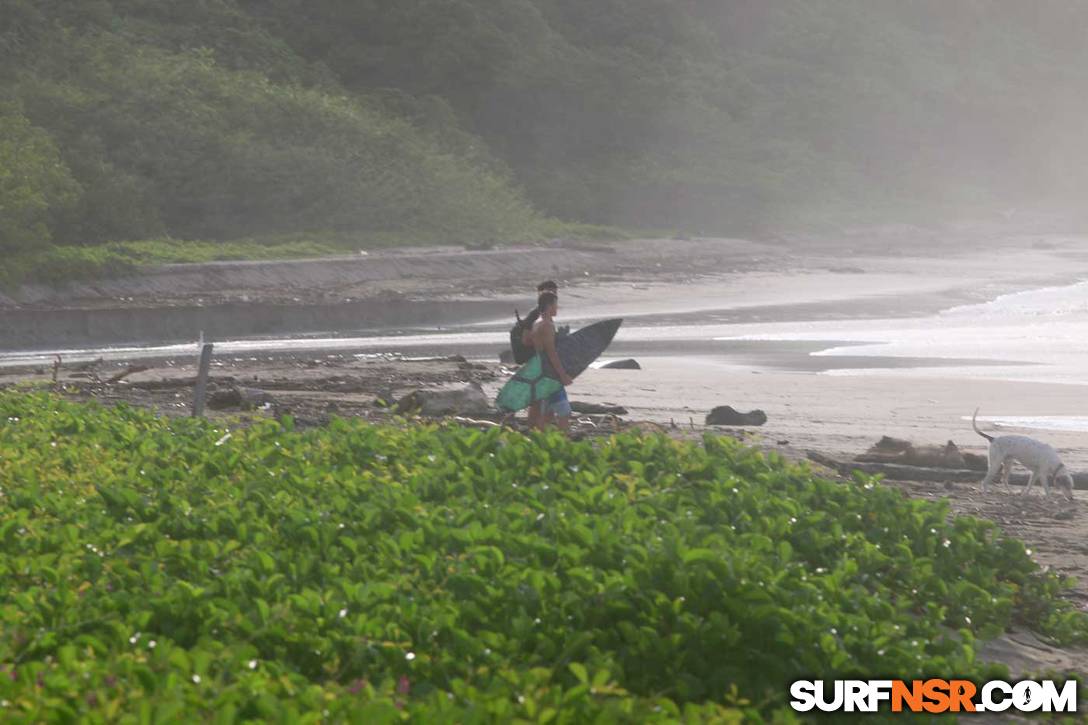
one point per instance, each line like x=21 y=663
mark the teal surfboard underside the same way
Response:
x=527 y=386
x=536 y=380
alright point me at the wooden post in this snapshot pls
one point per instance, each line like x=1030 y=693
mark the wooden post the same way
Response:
x=56 y=373
x=202 y=380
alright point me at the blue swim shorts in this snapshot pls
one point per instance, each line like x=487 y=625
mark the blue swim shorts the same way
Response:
x=557 y=404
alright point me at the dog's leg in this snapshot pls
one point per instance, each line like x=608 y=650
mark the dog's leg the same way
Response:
x=1006 y=470
x=993 y=469
x=1031 y=481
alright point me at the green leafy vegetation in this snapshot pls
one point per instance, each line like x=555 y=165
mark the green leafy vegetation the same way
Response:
x=163 y=569
x=58 y=264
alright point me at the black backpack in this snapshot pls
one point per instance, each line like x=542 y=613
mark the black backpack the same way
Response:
x=522 y=352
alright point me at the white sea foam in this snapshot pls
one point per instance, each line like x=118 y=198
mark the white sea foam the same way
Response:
x=1037 y=422
x=1042 y=333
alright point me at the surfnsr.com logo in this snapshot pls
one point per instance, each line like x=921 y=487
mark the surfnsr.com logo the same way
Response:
x=933 y=696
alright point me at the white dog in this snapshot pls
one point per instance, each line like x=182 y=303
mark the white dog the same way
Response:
x=1041 y=459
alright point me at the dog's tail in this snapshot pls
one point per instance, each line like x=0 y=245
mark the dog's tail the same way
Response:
x=973 y=425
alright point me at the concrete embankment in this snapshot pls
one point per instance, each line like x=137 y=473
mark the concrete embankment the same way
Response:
x=428 y=287
x=175 y=302
x=29 y=329
x=307 y=279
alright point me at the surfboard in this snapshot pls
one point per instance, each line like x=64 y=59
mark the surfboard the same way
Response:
x=536 y=380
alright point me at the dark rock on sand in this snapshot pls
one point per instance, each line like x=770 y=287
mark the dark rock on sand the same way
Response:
x=627 y=364
x=727 y=415
x=240 y=397
x=466 y=400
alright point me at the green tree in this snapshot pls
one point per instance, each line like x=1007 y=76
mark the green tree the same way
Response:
x=33 y=182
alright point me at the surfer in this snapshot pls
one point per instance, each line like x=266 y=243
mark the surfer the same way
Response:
x=534 y=314
x=523 y=329
x=542 y=335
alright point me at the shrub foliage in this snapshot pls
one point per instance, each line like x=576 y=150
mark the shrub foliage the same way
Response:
x=161 y=568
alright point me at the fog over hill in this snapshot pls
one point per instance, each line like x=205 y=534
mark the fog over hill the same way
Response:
x=466 y=119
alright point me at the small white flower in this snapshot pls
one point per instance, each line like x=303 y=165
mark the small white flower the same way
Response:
x=1027 y=551
x=253 y=664
x=343 y=613
x=410 y=656
x=151 y=644
x=967 y=619
x=946 y=543
x=196 y=679
x=539 y=517
x=134 y=638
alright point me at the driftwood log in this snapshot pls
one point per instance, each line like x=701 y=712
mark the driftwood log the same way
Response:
x=578 y=406
x=898 y=472
x=130 y=370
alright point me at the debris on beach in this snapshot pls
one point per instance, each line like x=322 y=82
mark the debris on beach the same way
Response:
x=467 y=400
x=906 y=453
x=242 y=398
x=898 y=471
x=727 y=415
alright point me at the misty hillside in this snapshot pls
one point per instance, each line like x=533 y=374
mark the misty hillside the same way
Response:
x=465 y=120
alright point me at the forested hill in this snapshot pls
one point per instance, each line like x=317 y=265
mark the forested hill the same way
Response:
x=476 y=119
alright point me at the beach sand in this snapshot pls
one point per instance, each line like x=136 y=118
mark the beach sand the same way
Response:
x=750 y=336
